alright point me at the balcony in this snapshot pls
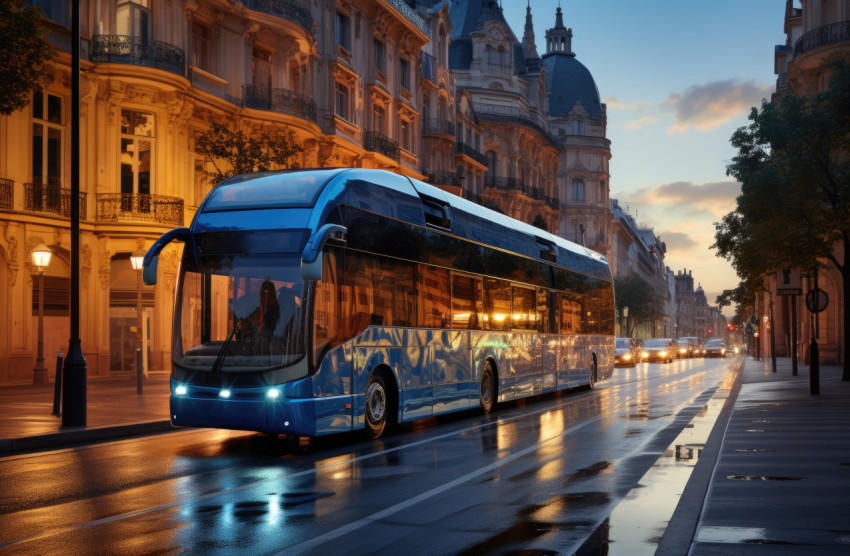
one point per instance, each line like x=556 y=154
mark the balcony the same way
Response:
x=7 y=193
x=474 y=154
x=429 y=67
x=442 y=177
x=133 y=207
x=51 y=199
x=438 y=126
x=823 y=36
x=279 y=100
x=378 y=142
x=505 y=184
x=293 y=10
x=411 y=16
x=138 y=51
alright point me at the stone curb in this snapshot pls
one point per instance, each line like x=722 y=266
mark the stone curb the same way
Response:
x=80 y=435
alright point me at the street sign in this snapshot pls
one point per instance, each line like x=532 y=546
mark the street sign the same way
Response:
x=816 y=300
x=789 y=281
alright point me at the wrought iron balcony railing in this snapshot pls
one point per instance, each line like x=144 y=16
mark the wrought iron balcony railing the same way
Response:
x=279 y=100
x=138 y=51
x=121 y=207
x=474 y=154
x=440 y=126
x=378 y=142
x=505 y=184
x=833 y=33
x=295 y=11
x=7 y=192
x=429 y=67
x=411 y=15
x=443 y=177
x=51 y=199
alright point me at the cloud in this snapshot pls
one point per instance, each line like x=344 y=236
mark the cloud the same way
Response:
x=717 y=198
x=614 y=103
x=678 y=241
x=705 y=107
x=641 y=122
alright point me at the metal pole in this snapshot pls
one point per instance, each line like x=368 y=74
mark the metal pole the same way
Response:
x=772 y=325
x=74 y=394
x=39 y=375
x=57 y=385
x=794 y=350
x=139 y=369
x=814 y=364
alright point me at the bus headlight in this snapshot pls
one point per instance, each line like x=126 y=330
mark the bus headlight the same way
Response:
x=273 y=394
x=180 y=390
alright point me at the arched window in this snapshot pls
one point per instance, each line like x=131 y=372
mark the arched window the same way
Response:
x=577 y=191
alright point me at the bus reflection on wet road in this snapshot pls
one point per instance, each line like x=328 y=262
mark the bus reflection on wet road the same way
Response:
x=558 y=474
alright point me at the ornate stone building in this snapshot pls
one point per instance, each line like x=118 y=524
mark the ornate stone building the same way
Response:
x=814 y=31
x=343 y=77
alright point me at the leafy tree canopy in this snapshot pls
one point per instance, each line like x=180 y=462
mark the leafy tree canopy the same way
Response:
x=233 y=153
x=25 y=55
x=637 y=294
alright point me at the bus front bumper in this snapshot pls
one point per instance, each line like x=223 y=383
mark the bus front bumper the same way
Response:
x=258 y=409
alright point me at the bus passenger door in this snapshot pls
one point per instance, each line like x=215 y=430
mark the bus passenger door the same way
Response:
x=547 y=340
x=417 y=395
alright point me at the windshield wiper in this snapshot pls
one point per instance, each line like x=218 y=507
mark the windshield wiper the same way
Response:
x=222 y=353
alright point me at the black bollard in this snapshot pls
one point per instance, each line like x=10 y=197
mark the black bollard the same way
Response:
x=814 y=369
x=57 y=385
x=138 y=371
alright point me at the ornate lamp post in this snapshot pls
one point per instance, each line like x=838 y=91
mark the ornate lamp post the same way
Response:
x=41 y=256
x=137 y=260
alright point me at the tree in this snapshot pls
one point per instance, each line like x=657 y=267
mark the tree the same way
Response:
x=793 y=164
x=233 y=153
x=25 y=55
x=637 y=294
x=539 y=222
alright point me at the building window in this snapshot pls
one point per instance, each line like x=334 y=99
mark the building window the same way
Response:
x=137 y=140
x=200 y=46
x=342 y=101
x=404 y=73
x=578 y=127
x=379 y=119
x=47 y=134
x=343 y=31
x=261 y=68
x=577 y=191
x=405 y=132
x=380 y=56
x=133 y=18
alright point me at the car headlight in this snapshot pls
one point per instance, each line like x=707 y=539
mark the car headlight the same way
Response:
x=645 y=354
x=683 y=350
x=627 y=356
x=663 y=354
x=737 y=350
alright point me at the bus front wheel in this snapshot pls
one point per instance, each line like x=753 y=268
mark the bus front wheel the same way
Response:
x=488 y=388
x=376 y=406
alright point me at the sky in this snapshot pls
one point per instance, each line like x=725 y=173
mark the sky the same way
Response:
x=678 y=77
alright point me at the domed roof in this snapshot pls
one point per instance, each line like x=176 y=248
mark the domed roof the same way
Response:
x=568 y=81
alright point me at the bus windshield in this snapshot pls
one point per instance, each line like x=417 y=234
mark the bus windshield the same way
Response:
x=239 y=313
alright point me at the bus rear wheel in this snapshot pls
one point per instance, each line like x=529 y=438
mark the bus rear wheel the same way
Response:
x=487 y=393
x=376 y=406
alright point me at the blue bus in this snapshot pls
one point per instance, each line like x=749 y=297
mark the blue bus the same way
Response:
x=312 y=302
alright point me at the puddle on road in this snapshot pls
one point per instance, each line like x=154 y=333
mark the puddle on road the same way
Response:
x=636 y=525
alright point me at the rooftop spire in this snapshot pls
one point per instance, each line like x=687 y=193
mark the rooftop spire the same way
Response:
x=559 y=39
x=528 y=45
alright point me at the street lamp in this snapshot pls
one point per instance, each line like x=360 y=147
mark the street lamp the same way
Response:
x=41 y=256
x=137 y=261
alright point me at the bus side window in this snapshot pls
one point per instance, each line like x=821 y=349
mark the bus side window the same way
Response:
x=434 y=297
x=523 y=312
x=547 y=312
x=570 y=309
x=497 y=304
x=466 y=303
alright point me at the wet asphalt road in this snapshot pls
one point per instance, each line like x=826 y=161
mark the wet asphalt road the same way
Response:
x=551 y=475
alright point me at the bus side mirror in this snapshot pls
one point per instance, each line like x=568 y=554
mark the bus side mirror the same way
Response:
x=152 y=257
x=311 y=258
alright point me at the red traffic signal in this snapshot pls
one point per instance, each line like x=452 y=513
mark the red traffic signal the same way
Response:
x=755 y=334
x=729 y=325
x=710 y=330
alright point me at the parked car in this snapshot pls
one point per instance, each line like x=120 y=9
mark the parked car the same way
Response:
x=659 y=349
x=688 y=347
x=715 y=348
x=626 y=353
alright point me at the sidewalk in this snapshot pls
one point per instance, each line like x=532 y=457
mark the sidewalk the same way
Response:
x=774 y=477
x=114 y=409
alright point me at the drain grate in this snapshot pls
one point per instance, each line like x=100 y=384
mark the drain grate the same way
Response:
x=762 y=478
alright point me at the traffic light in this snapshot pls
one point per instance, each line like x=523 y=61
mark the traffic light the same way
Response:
x=710 y=331
x=729 y=325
